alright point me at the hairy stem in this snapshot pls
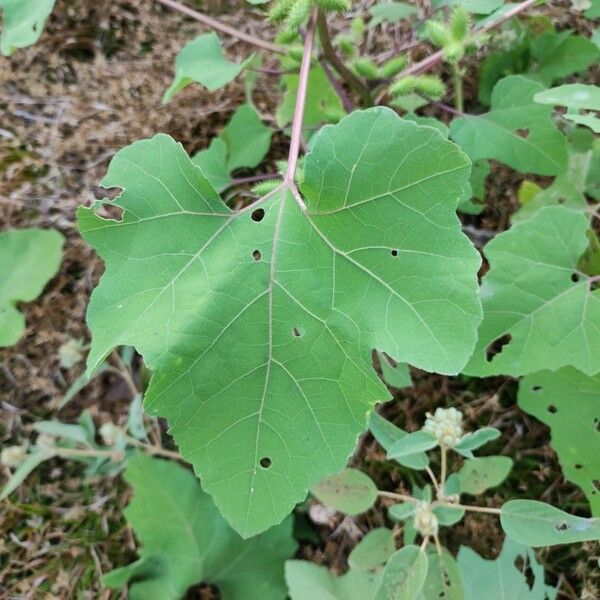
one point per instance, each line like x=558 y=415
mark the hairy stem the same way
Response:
x=85 y=453
x=458 y=88
x=437 y=57
x=338 y=64
x=309 y=43
x=222 y=27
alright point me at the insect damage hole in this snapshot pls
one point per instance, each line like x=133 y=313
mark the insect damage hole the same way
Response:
x=265 y=462
x=561 y=526
x=394 y=252
x=552 y=409
x=257 y=215
x=522 y=133
x=256 y=255
x=297 y=332
x=575 y=277
x=536 y=388
x=496 y=346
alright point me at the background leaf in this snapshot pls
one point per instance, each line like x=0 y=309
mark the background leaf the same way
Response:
x=535 y=292
x=538 y=524
x=307 y=581
x=443 y=581
x=516 y=131
x=567 y=401
x=22 y=23
x=373 y=550
x=202 y=61
x=350 y=491
x=29 y=258
x=479 y=474
x=403 y=575
x=503 y=578
x=186 y=541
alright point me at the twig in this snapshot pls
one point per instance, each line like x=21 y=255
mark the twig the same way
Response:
x=156 y=450
x=222 y=27
x=122 y=370
x=437 y=57
x=84 y=452
x=334 y=60
x=399 y=497
x=434 y=480
x=481 y=509
x=300 y=104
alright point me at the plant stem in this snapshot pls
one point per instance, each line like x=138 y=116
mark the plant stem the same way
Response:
x=437 y=57
x=338 y=64
x=438 y=546
x=443 y=468
x=481 y=509
x=442 y=106
x=84 y=452
x=222 y=27
x=425 y=543
x=458 y=88
x=434 y=480
x=341 y=92
x=594 y=279
x=300 y=103
x=150 y=449
x=394 y=496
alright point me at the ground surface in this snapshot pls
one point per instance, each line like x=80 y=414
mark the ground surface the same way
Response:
x=91 y=86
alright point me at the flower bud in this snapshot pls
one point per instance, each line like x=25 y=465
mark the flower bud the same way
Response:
x=425 y=521
x=445 y=425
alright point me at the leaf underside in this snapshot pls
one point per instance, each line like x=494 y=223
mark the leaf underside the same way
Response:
x=259 y=324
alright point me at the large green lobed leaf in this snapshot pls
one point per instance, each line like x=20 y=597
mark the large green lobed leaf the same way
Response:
x=185 y=541
x=28 y=259
x=259 y=324
x=535 y=293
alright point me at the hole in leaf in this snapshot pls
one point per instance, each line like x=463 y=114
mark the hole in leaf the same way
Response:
x=297 y=332
x=265 y=462
x=496 y=346
x=523 y=565
x=394 y=252
x=552 y=409
x=574 y=277
x=561 y=526
x=258 y=215
x=578 y=466
x=597 y=424
x=562 y=200
x=522 y=133
x=536 y=388
x=256 y=255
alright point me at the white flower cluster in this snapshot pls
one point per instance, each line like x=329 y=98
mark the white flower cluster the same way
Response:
x=425 y=522
x=445 y=425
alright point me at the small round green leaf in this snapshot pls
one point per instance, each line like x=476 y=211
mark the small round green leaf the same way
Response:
x=413 y=443
x=480 y=474
x=404 y=575
x=351 y=491
x=538 y=524
x=373 y=550
x=443 y=581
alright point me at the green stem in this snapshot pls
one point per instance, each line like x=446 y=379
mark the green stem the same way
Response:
x=458 y=88
x=334 y=60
